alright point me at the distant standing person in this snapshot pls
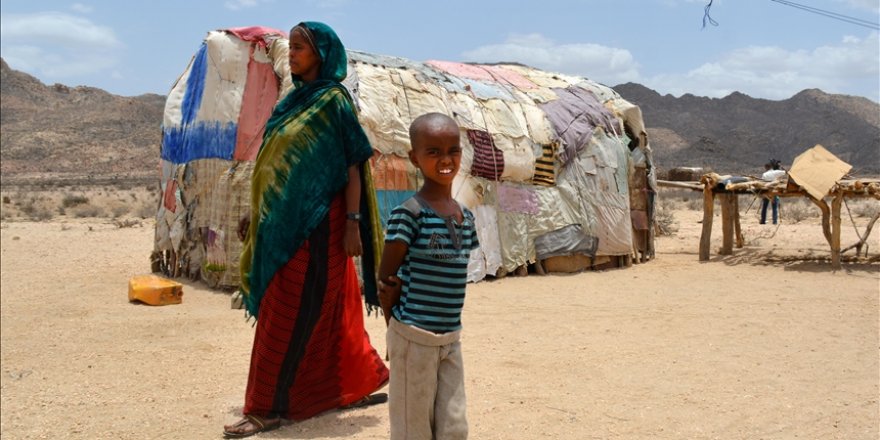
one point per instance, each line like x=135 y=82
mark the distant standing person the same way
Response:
x=772 y=171
x=422 y=279
x=309 y=203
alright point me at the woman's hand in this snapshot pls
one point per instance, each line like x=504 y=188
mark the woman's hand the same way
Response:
x=352 y=239
x=244 y=223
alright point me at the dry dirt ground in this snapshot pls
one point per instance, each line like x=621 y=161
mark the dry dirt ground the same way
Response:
x=768 y=343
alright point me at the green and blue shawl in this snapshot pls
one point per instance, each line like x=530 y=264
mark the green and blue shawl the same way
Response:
x=311 y=139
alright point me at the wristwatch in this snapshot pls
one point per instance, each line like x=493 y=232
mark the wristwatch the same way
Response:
x=353 y=216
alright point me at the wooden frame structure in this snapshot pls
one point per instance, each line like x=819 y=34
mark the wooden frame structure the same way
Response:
x=727 y=190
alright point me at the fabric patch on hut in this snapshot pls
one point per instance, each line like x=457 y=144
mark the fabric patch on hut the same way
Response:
x=544 y=171
x=257 y=102
x=569 y=240
x=574 y=116
x=513 y=199
x=488 y=160
x=392 y=172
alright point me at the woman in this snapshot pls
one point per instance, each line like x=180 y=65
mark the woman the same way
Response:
x=311 y=205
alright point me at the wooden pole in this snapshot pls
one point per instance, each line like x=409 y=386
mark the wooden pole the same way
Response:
x=826 y=213
x=696 y=186
x=706 y=236
x=740 y=242
x=635 y=245
x=727 y=224
x=652 y=226
x=835 y=230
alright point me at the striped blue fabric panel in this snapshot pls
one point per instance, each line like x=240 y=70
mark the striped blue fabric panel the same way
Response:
x=195 y=86
x=200 y=140
x=194 y=139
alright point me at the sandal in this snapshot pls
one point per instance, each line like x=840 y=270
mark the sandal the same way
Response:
x=260 y=425
x=372 y=399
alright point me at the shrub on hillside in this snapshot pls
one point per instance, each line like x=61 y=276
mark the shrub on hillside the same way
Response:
x=147 y=209
x=665 y=218
x=119 y=210
x=87 y=210
x=41 y=213
x=71 y=200
x=794 y=211
x=865 y=208
x=127 y=223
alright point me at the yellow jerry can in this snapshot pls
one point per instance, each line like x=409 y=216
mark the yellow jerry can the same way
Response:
x=154 y=290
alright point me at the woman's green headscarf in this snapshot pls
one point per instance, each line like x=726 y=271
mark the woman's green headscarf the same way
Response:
x=325 y=42
x=311 y=139
x=334 y=69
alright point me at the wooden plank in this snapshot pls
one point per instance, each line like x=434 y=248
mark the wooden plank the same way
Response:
x=727 y=224
x=696 y=186
x=706 y=235
x=835 y=231
x=740 y=242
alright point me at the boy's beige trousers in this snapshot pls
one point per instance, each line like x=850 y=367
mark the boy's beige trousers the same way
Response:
x=426 y=396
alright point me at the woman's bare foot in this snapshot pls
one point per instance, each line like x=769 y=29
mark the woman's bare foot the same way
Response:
x=250 y=425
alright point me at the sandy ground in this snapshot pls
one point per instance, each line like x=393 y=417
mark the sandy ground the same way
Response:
x=768 y=343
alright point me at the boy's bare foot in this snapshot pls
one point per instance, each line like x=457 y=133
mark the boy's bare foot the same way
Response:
x=250 y=425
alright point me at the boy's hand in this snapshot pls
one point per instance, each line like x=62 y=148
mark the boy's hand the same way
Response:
x=389 y=295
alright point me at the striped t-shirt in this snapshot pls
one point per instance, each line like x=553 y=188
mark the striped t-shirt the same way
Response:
x=434 y=271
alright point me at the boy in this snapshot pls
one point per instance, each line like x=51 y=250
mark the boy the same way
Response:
x=422 y=279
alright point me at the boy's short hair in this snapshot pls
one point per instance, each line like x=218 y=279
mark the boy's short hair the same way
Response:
x=429 y=121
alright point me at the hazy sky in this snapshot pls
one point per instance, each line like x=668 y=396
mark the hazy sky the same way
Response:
x=762 y=48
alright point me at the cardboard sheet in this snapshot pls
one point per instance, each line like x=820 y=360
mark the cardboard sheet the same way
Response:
x=817 y=170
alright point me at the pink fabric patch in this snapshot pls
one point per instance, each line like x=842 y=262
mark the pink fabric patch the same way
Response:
x=390 y=172
x=257 y=102
x=513 y=199
x=255 y=33
x=497 y=74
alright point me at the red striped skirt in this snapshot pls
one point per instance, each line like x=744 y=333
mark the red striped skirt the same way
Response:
x=311 y=352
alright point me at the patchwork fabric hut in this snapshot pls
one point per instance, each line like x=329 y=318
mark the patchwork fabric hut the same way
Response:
x=557 y=169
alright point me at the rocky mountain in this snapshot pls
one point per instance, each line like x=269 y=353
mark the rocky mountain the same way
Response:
x=83 y=132
x=52 y=131
x=738 y=134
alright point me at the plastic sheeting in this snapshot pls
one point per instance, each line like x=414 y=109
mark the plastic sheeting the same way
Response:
x=381 y=104
x=574 y=116
x=569 y=240
x=598 y=180
x=519 y=223
x=485 y=260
